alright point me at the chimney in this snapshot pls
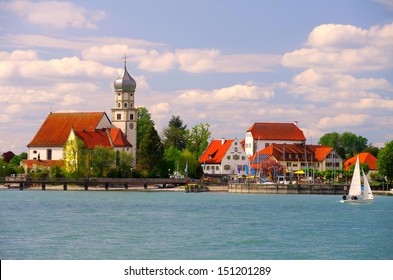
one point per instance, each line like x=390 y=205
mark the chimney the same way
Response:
x=295 y=122
x=222 y=141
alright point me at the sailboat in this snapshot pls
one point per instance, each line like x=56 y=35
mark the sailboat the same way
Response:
x=355 y=194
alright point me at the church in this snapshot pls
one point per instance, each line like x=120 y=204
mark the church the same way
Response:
x=93 y=128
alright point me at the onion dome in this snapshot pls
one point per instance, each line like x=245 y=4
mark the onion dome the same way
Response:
x=125 y=82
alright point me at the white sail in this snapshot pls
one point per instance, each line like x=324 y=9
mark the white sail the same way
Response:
x=367 y=193
x=355 y=188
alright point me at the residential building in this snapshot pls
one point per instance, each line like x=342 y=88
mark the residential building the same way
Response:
x=296 y=157
x=262 y=134
x=225 y=157
x=364 y=158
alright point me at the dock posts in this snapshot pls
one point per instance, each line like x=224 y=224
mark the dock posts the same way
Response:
x=21 y=186
x=145 y=186
x=86 y=186
x=106 y=186
x=65 y=186
x=43 y=186
x=126 y=186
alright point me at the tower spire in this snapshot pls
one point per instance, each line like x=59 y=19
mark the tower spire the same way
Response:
x=125 y=60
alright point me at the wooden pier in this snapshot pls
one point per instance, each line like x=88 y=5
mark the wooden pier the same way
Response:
x=97 y=183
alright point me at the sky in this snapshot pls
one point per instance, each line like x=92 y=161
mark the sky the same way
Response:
x=325 y=64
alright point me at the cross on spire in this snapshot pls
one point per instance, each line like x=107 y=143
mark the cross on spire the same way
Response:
x=125 y=60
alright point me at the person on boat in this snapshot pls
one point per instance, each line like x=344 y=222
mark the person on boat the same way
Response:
x=355 y=198
x=344 y=197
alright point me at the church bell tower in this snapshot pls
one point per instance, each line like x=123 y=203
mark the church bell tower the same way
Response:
x=124 y=114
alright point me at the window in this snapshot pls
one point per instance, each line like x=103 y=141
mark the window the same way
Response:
x=49 y=154
x=118 y=117
x=125 y=104
x=118 y=105
x=131 y=116
x=228 y=157
x=235 y=149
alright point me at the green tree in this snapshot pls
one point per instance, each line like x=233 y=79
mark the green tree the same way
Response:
x=76 y=157
x=144 y=122
x=151 y=153
x=124 y=163
x=385 y=162
x=172 y=157
x=174 y=134
x=197 y=139
x=102 y=159
x=189 y=165
x=346 y=144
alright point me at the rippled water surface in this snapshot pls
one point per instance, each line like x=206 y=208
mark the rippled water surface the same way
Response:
x=173 y=225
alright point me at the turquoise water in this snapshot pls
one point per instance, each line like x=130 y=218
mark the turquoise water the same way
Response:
x=172 y=225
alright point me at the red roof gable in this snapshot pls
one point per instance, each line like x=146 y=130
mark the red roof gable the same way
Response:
x=215 y=151
x=363 y=158
x=276 y=131
x=103 y=137
x=57 y=127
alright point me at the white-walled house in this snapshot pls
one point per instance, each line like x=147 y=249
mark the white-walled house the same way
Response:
x=262 y=134
x=224 y=157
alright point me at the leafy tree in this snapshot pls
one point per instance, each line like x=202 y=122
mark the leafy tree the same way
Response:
x=56 y=171
x=7 y=156
x=174 y=134
x=385 y=162
x=346 y=144
x=197 y=139
x=172 y=157
x=144 y=121
x=268 y=167
x=76 y=157
x=151 y=152
x=102 y=159
x=124 y=163
x=189 y=165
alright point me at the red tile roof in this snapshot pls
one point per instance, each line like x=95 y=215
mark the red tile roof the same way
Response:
x=57 y=127
x=276 y=131
x=288 y=152
x=215 y=151
x=103 y=137
x=363 y=158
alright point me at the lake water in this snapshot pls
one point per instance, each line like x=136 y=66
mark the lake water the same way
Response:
x=175 y=225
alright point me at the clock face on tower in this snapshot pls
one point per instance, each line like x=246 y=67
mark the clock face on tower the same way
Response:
x=131 y=125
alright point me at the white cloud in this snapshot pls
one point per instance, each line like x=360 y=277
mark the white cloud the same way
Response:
x=57 y=15
x=319 y=86
x=345 y=48
x=70 y=99
x=13 y=108
x=162 y=107
x=231 y=94
x=27 y=65
x=342 y=120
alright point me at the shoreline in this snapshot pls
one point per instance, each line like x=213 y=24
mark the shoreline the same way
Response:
x=140 y=188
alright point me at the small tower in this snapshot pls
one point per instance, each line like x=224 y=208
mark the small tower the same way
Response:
x=124 y=114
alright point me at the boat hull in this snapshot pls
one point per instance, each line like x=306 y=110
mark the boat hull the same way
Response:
x=357 y=201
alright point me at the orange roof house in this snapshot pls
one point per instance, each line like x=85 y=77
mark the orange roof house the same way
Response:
x=296 y=156
x=261 y=134
x=224 y=157
x=366 y=158
x=93 y=128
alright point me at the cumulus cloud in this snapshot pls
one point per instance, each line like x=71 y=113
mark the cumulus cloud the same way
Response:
x=345 y=48
x=231 y=94
x=51 y=14
x=342 y=120
x=188 y=60
x=159 y=108
x=319 y=86
x=25 y=64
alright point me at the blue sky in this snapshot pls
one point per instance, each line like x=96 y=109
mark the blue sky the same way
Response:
x=326 y=64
